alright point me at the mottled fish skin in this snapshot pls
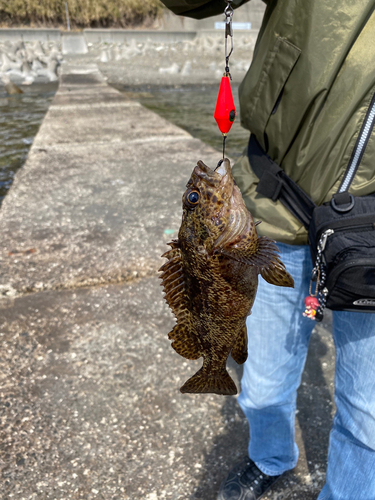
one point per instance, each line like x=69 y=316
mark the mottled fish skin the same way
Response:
x=211 y=276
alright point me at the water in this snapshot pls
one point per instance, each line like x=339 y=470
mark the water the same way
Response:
x=189 y=107
x=20 y=118
x=192 y=108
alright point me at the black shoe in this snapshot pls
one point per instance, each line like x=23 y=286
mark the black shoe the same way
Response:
x=245 y=482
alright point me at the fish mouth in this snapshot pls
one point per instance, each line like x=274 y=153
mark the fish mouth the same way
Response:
x=212 y=177
x=221 y=179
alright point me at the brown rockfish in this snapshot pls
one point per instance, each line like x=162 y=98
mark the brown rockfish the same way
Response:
x=211 y=276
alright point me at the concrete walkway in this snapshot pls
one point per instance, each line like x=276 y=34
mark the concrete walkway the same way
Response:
x=90 y=407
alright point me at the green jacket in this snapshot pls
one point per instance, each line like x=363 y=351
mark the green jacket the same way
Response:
x=319 y=57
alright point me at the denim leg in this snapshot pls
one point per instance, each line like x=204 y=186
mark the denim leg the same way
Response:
x=351 y=454
x=278 y=341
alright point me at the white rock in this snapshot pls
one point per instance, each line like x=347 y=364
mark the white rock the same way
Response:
x=186 y=69
x=134 y=49
x=26 y=68
x=16 y=74
x=37 y=65
x=7 y=64
x=29 y=79
x=149 y=46
x=104 y=56
x=116 y=53
x=38 y=49
x=50 y=71
x=171 y=70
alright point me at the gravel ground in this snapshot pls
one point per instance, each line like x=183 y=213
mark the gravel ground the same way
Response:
x=90 y=407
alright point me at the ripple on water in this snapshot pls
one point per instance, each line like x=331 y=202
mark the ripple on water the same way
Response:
x=192 y=108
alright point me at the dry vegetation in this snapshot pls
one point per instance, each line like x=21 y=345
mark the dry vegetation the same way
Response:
x=82 y=13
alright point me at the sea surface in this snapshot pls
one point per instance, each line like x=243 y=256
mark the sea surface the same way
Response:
x=20 y=119
x=192 y=108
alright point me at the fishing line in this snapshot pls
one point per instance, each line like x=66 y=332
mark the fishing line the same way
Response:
x=224 y=139
x=218 y=165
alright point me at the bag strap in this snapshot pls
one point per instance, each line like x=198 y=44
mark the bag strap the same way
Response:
x=276 y=185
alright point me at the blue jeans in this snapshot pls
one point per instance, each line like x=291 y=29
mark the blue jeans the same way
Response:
x=278 y=341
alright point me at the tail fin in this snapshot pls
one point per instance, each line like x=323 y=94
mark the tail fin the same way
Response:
x=215 y=382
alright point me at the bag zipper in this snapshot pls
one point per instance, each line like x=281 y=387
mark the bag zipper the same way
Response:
x=330 y=231
x=359 y=147
x=345 y=265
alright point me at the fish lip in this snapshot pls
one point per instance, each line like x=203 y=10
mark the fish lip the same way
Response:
x=223 y=168
x=205 y=173
x=208 y=175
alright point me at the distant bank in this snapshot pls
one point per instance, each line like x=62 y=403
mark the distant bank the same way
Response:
x=114 y=14
x=92 y=13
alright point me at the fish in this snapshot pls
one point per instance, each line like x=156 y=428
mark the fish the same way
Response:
x=210 y=278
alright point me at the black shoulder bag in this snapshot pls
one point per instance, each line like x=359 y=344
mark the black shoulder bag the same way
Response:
x=341 y=232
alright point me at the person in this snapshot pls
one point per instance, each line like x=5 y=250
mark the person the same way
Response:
x=304 y=98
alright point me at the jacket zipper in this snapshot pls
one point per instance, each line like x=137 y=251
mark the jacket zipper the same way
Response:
x=360 y=147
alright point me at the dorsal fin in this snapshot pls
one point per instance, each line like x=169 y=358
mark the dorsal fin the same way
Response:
x=173 y=283
x=185 y=341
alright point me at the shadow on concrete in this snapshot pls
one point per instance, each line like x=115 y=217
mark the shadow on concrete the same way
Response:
x=229 y=446
x=313 y=418
x=315 y=399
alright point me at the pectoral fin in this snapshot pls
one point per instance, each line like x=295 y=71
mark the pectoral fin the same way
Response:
x=275 y=272
x=262 y=253
x=277 y=275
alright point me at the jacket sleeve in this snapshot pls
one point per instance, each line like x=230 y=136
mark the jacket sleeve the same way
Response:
x=199 y=9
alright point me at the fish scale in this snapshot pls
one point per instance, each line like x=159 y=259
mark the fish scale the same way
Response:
x=211 y=277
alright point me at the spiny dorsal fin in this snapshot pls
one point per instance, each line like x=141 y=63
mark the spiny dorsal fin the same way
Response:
x=185 y=341
x=172 y=277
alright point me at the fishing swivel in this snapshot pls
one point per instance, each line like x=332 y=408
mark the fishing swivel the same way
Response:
x=228 y=12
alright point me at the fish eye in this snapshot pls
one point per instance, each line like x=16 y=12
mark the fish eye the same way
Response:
x=193 y=197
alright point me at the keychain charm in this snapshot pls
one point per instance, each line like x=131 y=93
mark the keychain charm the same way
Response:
x=311 y=304
x=311 y=301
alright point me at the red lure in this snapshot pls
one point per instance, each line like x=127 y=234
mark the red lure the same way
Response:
x=225 y=111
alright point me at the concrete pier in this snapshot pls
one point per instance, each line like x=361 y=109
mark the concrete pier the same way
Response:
x=90 y=407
